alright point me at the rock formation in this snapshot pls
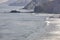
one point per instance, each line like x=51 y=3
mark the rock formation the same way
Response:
x=53 y=7
x=38 y=9
x=14 y=11
x=33 y=3
x=49 y=6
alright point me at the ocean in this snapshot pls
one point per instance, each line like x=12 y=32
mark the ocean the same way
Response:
x=23 y=26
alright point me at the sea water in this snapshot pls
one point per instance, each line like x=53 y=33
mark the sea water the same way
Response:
x=22 y=26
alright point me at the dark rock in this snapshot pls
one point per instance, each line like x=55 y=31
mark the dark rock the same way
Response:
x=14 y=11
x=30 y=5
x=52 y=7
x=33 y=3
x=47 y=6
x=38 y=9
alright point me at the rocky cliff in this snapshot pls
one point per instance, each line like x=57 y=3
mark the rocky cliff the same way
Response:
x=52 y=6
x=49 y=6
x=33 y=3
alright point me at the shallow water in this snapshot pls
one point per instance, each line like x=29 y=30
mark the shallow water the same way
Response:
x=28 y=26
x=20 y=26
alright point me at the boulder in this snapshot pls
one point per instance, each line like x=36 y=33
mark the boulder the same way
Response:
x=14 y=11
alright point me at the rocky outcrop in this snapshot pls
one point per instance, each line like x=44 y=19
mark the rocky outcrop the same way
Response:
x=38 y=9
x=49 y=6
x=53 y=7
x=34 y=3
x=30 y=5
x=14 y=11
x=56 y=6
x=44 y=5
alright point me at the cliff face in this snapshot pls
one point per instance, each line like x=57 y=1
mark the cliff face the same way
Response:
x=56 y=6
x=49 y=6
x=34 y=3
x=52 y=7
x=31 y=5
